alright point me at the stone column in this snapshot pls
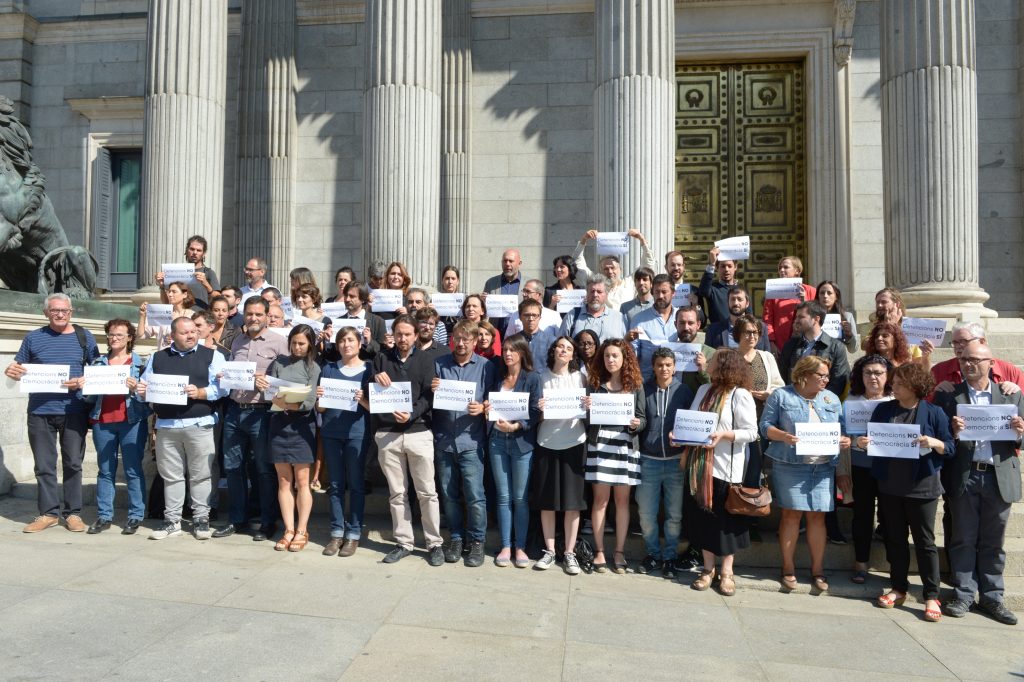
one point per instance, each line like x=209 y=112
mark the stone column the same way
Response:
x=183 y=139
x=402 y=135
x=930 y=155
x=266 y=136
x=456 y=130
x=634 y=119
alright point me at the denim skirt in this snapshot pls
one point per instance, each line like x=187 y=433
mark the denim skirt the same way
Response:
x=804 y=487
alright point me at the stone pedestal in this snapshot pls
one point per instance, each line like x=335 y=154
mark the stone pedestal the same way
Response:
x=456 y=132
x=634 y=119
x=266 y=136
x=183 y=139
x=930 y=156
x=402 y=135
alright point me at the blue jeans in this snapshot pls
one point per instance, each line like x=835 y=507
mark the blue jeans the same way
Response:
x=462 y=479
x=130 y=439
x=346 y=468
x=511 y=469
x=661 y=480
x=246 y=438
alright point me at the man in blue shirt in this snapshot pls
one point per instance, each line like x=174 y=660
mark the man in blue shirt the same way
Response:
x=657 y=323
x=184 y=433
x=62 y=414
x=459 y=438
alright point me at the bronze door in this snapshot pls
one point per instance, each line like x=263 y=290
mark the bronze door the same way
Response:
x=740 y=165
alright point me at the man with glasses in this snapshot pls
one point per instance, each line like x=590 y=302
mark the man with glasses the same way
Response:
x=618 y=290
x=426 y=337
x=531 y=312
x=808 y=339
x=597 y=315
x=947 y=373
x=533 y=290
x=255 y=271
x=982 y=482
x=52 y=415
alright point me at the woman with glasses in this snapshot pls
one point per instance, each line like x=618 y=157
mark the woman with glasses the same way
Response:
x=746 y=332
x=802 y=484
x=586 y=348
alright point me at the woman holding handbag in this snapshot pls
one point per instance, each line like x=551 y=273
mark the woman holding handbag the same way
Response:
x=711 y=468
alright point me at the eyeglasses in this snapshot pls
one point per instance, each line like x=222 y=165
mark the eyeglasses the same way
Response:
x=588 y=344
x=974 y=361
x=117 y=336
x=530 y=316
x=252 y=269
x=879 y=373
x=59 y=311
x=750 y=332
x=823 y=377
x=964 y=342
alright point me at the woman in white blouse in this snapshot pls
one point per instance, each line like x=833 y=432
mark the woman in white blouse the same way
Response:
x=766 y=378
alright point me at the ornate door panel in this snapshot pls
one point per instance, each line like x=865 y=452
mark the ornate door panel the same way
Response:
x=740 y=164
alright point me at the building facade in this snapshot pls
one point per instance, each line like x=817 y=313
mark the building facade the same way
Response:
x=880 y=140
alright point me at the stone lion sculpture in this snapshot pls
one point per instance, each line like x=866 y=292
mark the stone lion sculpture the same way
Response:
x=35 y=255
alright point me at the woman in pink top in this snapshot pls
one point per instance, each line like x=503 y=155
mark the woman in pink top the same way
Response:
x=778 y=312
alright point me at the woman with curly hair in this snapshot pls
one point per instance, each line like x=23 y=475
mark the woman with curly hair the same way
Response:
x=565 y=272
x=887 y=339
x=613 y=456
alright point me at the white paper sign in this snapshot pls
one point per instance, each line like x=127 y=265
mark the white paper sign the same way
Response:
x=502 y=305
x=817 y=439
x=987 y=422
x=389 y=326
x=240 y=375
x=339 y=394
x=395 y=398
x=833 y=326
x=508 y=405
x=615 y=409
x=334 y=310
x=316 y=325
x=454 y=396
x=167 y=389
x=783 y=287
x=733 y=248
x=178 y=272
x=280 y=331
x=40 y=378
x=106 y=380
x=858 y=414
x=570 y=299
x=681 y=297
x=564 y=403
x=612 y=243
x=448 y=305
x=358 y=323
x=158 y=314
x=686 y=354
x=693 y=427
x=917 y=329
x=288 y=308
x=385 y=300
x=894 y=440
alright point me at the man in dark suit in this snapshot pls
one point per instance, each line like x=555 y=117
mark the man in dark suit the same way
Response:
x=982 y=481
x=719 y=334
x=808 y=339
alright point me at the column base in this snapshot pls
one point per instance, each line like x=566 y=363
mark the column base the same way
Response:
x=939 y=299
x=147 y=294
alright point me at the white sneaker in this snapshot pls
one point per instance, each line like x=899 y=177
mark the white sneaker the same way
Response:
x=546 y=561
x=168 y=529
x=570 y=565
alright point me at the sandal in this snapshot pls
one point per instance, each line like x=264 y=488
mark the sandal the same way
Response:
x=285 y=540
x=315 y=486
x=788 y=581
x=704 y=581
x=623 y=566
x=932 y=615
x=891 y=599
x=859 y=578
x=299 y=543
x=726 y=585
x=819 y=583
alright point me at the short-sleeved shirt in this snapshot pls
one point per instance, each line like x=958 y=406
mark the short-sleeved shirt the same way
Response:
x=200 y=293
x=44 y=346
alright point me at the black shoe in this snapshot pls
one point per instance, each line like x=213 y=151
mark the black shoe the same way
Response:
x=649 y=564
x=396 y=555
x=454 y=551
x=476 y=554
x=98 y=526
x=226 y=532
x=130 y=526
x=264 y=533
x=691 y=562
x=957 y=608
x=837 y=538
x=201 y=529
x=997 y=611
x=669 y=570
x=436 y=556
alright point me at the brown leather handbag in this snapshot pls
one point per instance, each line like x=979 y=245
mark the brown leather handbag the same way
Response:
x=743 y=501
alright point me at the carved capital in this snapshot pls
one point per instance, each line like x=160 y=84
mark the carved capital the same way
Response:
x=842 y=52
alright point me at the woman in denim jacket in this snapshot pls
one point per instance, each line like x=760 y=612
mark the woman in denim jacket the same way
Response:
x=802 y=484
x=120 y=422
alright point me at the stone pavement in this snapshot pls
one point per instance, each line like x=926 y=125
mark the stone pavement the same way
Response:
x=80 y=607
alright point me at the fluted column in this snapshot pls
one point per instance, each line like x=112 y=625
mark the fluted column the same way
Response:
x=456 y=127
x=930 y=155
x=634 y=107
x=183 y=138
x=402 y=134
x=266 y=136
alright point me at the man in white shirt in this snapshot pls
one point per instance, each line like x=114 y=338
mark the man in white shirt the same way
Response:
x=255 y=272
x=619 y=290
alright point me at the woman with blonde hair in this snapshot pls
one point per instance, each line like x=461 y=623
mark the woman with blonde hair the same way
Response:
x=778 y=313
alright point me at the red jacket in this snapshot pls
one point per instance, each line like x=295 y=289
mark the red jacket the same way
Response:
x=778 y=316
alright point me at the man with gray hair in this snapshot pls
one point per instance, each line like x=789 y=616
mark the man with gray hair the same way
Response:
x=947 y=373
x=56 y=414
x=255 y=276
x=596 y=315
x=375 y=274
x=416 y=299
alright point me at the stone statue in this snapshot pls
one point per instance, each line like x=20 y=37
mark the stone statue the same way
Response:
x=35 y=255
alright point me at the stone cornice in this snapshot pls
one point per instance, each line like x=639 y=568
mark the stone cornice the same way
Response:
x=105 y=108
x=18 y=26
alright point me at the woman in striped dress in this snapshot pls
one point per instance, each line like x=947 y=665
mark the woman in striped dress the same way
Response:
x=613 y=459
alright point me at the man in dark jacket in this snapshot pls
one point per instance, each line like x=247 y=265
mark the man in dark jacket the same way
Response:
x=715 y=293
x=719 y=334
x=808 y=339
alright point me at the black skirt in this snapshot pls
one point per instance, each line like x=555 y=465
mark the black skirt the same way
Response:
x=556 y=479
x=717 y=531
x=292 y=437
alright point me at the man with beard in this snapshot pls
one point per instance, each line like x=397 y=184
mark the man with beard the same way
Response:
x=719 y=333
x=233 y=295
x=687 y=327
x=808 y=339
x=416 y=299
x=374 y=332
x=246 y=434
x=716 y=292
x=619 y=291
x=533 y=290
x=255 y=272
x=643 y=283
x=596 y=316
x=207 y=284
x=426 y=338
x=654 y=324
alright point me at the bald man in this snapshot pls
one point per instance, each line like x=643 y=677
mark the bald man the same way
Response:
x=511 y=279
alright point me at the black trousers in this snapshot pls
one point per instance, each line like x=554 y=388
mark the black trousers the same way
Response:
x=44 y=431
x=898 y=515
x=865 y=492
